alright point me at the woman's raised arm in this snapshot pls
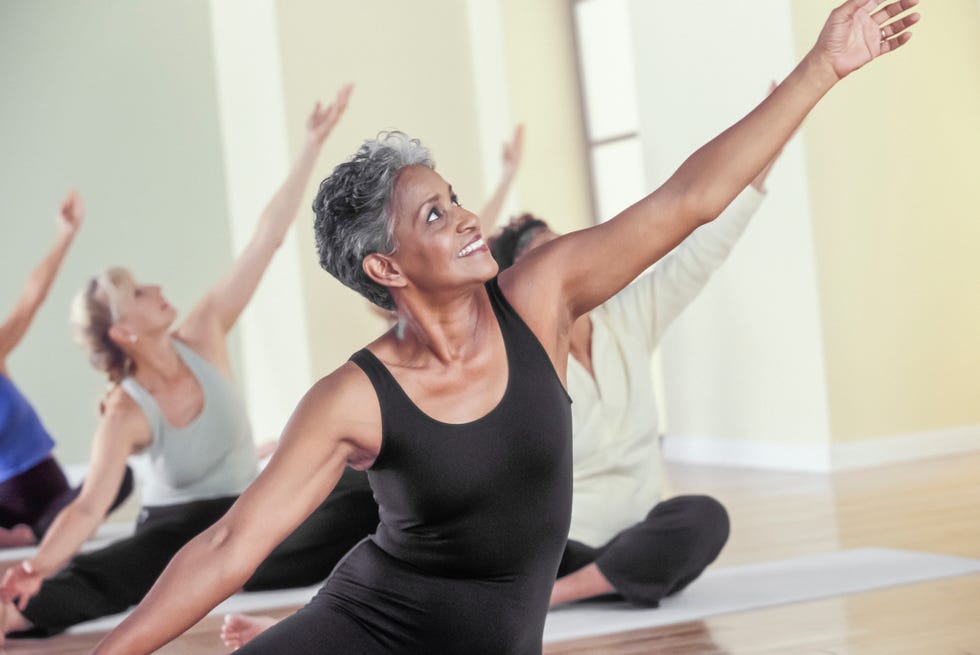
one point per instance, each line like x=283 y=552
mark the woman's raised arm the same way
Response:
x=591 y=265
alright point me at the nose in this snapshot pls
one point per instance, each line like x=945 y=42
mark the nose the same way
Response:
x=467 y=220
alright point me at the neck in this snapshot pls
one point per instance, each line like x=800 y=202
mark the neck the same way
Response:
x=155 y=361
x=448 y=330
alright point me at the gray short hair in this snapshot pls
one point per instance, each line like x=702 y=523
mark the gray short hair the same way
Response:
x=353 y=213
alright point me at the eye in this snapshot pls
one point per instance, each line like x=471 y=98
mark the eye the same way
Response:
x=138 y=293
x=434 y=214
x=455 y=200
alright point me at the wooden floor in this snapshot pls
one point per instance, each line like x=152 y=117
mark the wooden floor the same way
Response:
x=930 y=506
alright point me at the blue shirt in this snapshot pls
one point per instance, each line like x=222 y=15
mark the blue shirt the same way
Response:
x=24 y=442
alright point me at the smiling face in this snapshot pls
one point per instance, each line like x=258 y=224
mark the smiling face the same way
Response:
x=439 y=247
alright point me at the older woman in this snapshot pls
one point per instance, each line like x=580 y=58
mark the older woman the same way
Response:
x=175 y=406
x=459 y=413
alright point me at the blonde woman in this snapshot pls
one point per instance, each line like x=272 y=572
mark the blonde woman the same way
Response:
x=176 y=407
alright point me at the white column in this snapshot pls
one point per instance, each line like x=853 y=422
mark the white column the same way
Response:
x=275 y=347
x=492 y=97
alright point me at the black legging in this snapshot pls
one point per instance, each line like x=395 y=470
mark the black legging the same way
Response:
x=660 y=555
x=36 y=496
x=117 y=577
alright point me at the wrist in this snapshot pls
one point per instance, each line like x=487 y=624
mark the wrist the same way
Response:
x=312 y=143
x=66 y=231
x=817 y=65
x=33 y=567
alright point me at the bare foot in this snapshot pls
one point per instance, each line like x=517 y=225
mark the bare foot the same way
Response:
x=17 y=537
x=11 y=620
x=584 y=583
x=239 y=629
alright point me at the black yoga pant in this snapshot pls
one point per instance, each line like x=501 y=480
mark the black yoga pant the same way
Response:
x=660 y=555
x=656 y=557
x=36 y=496
x=117 y=577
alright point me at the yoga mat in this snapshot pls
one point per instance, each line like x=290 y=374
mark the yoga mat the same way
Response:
x=756 y=586
x=106 y=534
x=251 y=602
x=718 y=591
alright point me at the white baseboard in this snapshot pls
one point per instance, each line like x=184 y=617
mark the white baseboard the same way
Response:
x=905 y=447
x=718 y=451
x=821 y=457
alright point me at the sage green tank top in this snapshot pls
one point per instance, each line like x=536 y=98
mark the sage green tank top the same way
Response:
x=210 y=457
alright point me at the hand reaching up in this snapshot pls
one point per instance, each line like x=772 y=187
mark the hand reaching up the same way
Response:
x=323 y=119
x=71 y=213
x=856 y=33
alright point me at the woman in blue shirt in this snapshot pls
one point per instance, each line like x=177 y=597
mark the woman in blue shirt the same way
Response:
x=33 y=488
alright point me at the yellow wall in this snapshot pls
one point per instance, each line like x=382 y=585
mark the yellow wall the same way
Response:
x=411 y=65
x=544 y=94
x=417 y=75
x=892 y=156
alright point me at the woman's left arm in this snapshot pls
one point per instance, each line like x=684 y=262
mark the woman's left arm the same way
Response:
x=225 y=302
x=589 y=266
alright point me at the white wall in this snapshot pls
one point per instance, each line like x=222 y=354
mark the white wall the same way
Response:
x=275 y=346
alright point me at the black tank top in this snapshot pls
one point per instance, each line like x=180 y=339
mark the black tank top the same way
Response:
x=490 y=499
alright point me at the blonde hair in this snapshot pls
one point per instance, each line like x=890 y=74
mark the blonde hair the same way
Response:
x=94 y=310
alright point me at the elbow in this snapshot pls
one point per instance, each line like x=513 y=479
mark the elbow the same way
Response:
x=696 y=205
x=220 y=545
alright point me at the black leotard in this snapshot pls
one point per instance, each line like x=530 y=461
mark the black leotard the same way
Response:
x=474 y=518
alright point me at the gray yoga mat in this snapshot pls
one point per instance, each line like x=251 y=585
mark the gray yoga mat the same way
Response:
x=718 y=591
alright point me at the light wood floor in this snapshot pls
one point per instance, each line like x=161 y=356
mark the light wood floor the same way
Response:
x=932 y=505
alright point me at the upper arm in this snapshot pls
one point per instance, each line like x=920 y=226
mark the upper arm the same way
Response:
x=216 y=313
x=337 y=423
x=577 y=272
x=16 y=323
x=122 y=431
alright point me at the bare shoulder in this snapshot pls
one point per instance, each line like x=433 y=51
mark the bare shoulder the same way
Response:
x=346 y=405
x=535 y=292
x=123 y=419
x=207 y=340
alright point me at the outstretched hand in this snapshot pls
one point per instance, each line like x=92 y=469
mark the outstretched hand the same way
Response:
x=855 y=33
x=323 y=119
x=513 y=150
x=20 y=583
x=71 y=213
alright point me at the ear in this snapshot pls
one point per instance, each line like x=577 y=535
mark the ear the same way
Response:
x=383 y=270
x=120 y=335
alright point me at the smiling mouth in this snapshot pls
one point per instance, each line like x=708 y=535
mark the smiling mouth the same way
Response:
x=472 y=247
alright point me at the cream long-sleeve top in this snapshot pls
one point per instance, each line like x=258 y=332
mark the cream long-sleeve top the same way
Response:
x=616 y=450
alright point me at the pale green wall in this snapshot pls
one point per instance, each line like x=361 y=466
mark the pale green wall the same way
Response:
x=117 y=99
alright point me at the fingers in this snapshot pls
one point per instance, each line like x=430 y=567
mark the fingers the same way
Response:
x=897 y=27
x=340 y=101
x=895 y=42
x=893 y=9
x=850 y=7
x=518 y=138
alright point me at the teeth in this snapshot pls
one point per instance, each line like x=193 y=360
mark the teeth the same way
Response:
x=470 y=248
